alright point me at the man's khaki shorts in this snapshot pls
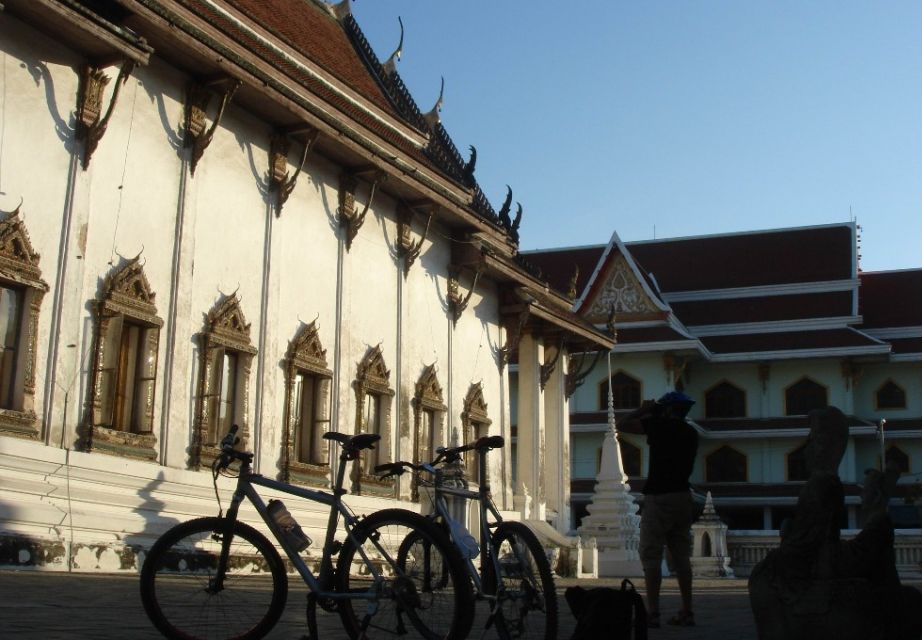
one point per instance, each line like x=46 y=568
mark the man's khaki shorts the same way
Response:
x=666 y=521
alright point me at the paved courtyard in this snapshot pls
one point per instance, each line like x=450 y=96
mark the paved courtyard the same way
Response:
x=107 y=607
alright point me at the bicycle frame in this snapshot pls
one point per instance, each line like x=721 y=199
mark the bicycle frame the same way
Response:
x=319 y=584
x=485 y=506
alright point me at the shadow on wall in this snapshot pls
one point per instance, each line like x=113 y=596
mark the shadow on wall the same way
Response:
x=63 y=549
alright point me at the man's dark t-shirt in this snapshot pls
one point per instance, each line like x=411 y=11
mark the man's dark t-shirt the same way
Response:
x=673 y=445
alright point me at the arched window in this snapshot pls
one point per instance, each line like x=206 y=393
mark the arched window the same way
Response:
x=224 y=380
x=125 y=366
x=373 y=395
x=725 y=401
x=305 y=454
x=475 y=423
x=21 y=293
x=630 y=457
x=726 y=464
x=804 y=396
x=428 y=419
x=900 y=457
x=625 y=392
x=891 y=396
x=797 y=464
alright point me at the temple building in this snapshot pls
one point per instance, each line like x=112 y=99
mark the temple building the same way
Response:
x=760 y=328
x=218 y=212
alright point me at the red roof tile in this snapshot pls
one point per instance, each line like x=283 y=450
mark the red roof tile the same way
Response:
x=891 y=298
x=806 y=254
x=788 y=341
x=770 y=308
x=317 y=35
x=558 y=265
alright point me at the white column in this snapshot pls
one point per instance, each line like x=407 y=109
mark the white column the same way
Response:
x=529 y=499
x=556 y=472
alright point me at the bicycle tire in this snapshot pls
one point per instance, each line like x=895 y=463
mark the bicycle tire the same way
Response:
x=415 y=544
x=178 y=570
x=527 y=601
x=403 y=604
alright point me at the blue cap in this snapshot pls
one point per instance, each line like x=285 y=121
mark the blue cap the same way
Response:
x=675 y=397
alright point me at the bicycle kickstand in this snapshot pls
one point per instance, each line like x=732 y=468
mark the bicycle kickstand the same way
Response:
x=311 y=618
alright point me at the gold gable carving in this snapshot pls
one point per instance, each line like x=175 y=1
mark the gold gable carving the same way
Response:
x=18 y=260
x=127 y=291
x=475 y=408
x=228 y=326
x=306 y=351
x=621 y=291
x=373 y=373
x=429 y=391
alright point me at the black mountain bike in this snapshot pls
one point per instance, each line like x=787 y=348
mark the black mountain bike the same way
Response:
x=221 y=578
x=514 y=576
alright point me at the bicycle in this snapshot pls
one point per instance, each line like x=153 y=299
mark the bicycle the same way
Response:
x=217 y=577
x=515 y=575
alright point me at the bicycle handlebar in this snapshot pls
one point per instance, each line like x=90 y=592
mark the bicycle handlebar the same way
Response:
x=453 y=454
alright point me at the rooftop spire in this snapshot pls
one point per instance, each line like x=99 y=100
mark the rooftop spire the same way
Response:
x=390 y=66
x=432 y=117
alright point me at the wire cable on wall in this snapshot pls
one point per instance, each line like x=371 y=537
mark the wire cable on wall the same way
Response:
x=121 y=184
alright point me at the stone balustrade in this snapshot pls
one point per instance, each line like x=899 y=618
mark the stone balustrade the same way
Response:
x=747 y=548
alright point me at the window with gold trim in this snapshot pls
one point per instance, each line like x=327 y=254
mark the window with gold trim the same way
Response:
x=305 y=454
x=121 y=416
x=224 y=376
x=475 y=423
x=373 y=395
x=428 y=418
x=20 y=302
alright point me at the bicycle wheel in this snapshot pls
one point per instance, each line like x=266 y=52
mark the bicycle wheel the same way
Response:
x=402 y=600
x=527 y=599
x=432 y=568
x=177 y=583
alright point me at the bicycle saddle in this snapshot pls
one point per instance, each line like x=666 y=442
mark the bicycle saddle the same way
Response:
x=489 y=442
x=354 y=443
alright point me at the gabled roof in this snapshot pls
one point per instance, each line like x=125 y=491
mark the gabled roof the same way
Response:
x=753 y=259
x=891 y=299
x=616 y=284
x=763 y=294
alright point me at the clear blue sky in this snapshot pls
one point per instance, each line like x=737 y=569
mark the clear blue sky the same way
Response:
x=678 y=118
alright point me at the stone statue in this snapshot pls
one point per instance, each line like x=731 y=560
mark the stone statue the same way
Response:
x=815 y=585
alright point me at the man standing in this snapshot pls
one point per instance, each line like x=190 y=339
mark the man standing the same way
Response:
x=668 y=507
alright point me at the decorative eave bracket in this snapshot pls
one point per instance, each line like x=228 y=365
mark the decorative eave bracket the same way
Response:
x=348 y=215
x=456 y=302
x=280 y=182
x=514 y=332
x=547 y=368
x=407 y=249
x=578 y=374
x=91 y=123
x=197 y=101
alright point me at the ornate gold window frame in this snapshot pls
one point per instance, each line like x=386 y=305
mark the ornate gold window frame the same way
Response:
x=428 y=397
x=473 y=414
x=19 y=268
x=306 y=355
x=373 y=378
x=226 y=329
x=126 y=295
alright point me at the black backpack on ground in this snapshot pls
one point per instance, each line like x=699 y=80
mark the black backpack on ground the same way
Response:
x=604 y=613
